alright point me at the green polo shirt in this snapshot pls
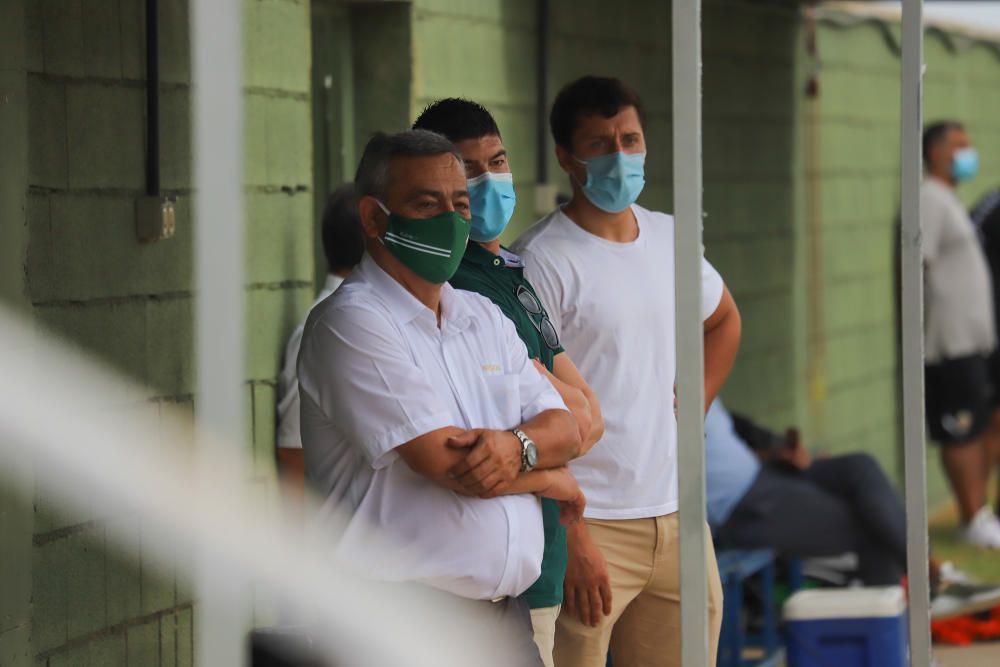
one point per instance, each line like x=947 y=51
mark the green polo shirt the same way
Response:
x=498 y=279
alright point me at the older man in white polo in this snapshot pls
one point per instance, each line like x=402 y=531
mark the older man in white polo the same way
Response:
x=423 y=419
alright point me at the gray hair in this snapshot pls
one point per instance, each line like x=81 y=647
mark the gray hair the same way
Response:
x=372 y=178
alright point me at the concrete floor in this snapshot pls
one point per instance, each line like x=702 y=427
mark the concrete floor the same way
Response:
x=976 y=655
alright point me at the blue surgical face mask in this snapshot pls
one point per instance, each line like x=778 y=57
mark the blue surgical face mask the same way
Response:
x=965 y=164
x=491 y=199
x=615 y=180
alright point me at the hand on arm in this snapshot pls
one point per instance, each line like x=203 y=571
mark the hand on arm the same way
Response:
x=491 y=459
x=722 y=340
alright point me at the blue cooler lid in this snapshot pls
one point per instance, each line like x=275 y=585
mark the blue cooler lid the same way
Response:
x=835 y=603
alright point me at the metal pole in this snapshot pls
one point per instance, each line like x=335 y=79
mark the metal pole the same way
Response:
x=911 y=284
x=217 y=56
x=690 y=361
x=152 y=99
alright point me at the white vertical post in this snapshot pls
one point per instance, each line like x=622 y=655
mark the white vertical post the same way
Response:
x=690 y=362
x=217 y=55
x=911 y=285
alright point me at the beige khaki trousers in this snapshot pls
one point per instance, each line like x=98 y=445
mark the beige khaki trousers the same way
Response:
x=543 y=624
x=643 y=629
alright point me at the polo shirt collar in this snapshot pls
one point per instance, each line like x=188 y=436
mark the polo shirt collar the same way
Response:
x=404 y=307
x=480 y=256
x=332 y=283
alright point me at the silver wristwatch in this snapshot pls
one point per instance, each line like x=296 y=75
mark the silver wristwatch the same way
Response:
x=529 y=452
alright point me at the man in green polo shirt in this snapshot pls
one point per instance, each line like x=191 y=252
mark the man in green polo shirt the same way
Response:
x=498 y=274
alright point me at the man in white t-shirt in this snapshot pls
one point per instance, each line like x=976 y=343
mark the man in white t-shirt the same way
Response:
x=426 y=427
x=343 y=246
x=604 y=269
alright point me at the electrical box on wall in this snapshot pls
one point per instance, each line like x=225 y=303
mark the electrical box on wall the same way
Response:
x=155 y=218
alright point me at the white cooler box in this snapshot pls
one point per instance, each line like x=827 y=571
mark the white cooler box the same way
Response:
x=847 y=627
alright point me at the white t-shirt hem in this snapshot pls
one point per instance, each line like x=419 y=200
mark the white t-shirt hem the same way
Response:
x=633 y=513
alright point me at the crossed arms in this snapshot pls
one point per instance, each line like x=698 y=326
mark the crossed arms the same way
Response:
x=487 y=462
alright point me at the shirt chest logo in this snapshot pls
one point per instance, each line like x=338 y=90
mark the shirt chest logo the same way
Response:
x=492 y=369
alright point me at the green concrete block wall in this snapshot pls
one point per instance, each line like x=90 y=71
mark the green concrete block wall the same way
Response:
x=851 y=194
x=749 y=162
x=131 y=305
x=16 y=512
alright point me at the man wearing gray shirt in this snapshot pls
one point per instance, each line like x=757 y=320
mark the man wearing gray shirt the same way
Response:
x=959 y=328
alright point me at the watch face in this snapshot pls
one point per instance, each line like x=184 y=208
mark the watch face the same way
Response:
x=531 y=454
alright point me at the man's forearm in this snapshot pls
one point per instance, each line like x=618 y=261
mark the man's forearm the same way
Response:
x=575 y=399
x=577 y=403
x=536 y=481
x=596 y=431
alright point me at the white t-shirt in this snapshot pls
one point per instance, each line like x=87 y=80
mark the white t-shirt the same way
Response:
x=288 y=435
x=375 y=372
x=613 y=304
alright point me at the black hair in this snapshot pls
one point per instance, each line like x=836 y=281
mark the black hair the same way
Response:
x=935 y=133
x=457 y=119
x=587 y=96
x=343 y=240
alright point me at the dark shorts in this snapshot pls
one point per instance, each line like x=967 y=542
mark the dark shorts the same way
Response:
x=994 y=370
x=959 y=399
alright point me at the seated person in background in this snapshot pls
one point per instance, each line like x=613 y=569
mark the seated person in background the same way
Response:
x=498 y=274
x=343 y=245
x=425 y=425
x=765 y=491
x=797 y=506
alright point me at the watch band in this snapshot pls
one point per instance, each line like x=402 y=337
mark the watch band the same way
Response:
x=526 y=444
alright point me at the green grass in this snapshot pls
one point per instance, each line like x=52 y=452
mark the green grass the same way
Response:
x=946 y=544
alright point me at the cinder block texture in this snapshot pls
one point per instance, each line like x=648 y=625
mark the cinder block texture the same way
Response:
x=105 y=135
x=131 y=305
x=47 y=132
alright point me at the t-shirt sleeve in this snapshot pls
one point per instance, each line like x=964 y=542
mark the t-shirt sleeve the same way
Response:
x=711 y=289
x=288 y=436
x=545 y=281
x=932 y=213
x=355 y=368
x=536 y=392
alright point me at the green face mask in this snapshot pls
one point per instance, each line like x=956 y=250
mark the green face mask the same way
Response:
x=430 y=247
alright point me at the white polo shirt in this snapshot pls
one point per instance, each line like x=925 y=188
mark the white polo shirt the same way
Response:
x=613 y=304
x=375 y=371
x=289 y=436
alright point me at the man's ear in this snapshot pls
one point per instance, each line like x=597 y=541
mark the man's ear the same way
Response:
x=370 y=214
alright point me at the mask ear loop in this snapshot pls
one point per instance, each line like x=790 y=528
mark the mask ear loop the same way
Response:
x=573 y=176
x=387 y=214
